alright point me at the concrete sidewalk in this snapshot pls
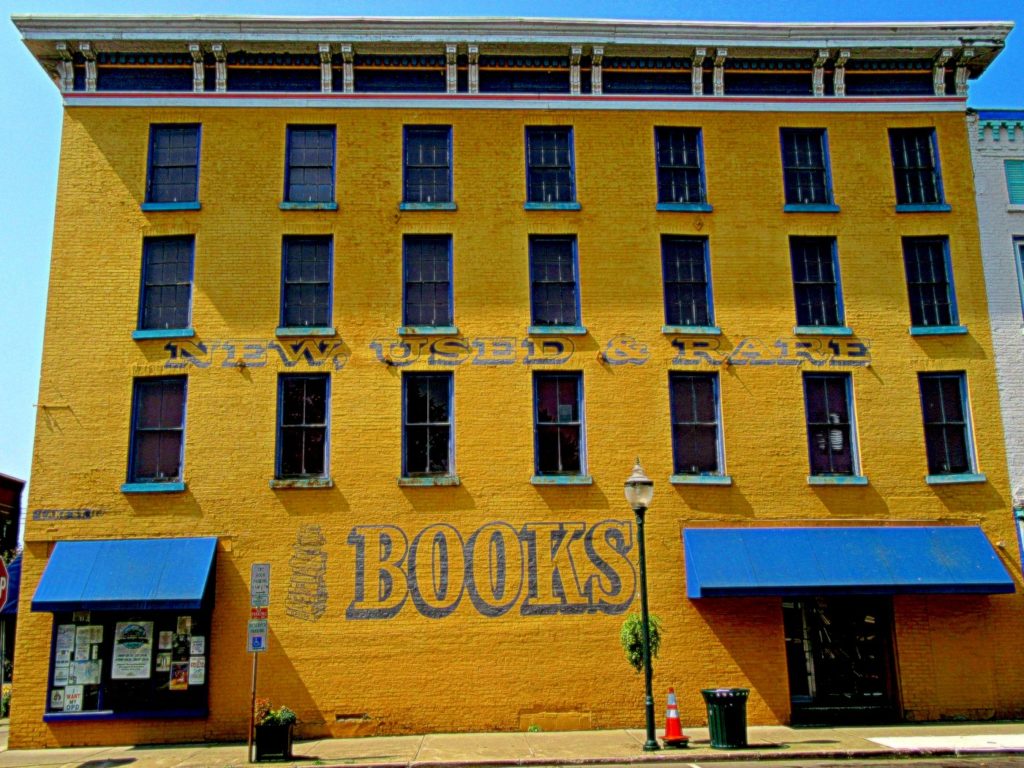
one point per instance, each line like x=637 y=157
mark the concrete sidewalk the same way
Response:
x=564 y=748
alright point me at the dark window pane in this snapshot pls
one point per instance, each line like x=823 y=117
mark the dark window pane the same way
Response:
x=687 y=294
x=427 y=432
x=829 y=432
x=928 y=287
x=557 y=423
x=549 y=172
x=815 y=284
x=166 y=282
x=306 y=289
x=695 y=428
x=173 y=164
x=914 y=166
x=427 y=164
x=805 y=172
x=310 y=160
x=427 y=280
x=680 y=178
x=553 y=281
x=302 y=426
x=157 y=428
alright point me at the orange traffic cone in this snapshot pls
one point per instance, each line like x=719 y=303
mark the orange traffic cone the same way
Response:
x=673 y=728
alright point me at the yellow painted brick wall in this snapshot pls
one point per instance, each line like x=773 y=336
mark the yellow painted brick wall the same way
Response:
x=411 y=673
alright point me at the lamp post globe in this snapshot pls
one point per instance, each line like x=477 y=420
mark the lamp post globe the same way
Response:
x=639 y=489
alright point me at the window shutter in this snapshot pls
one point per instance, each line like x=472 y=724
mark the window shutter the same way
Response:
x=1015 y=181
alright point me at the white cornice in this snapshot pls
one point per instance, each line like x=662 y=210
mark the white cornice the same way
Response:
x=508 y=30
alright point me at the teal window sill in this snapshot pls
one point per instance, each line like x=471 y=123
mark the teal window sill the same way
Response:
x=837 y=480
x=430 y=481
x=938 y=330
x=690 y=207
x=963 y=477
x=810 y=208
x=552 y=207
x=822 y=330
x=300 y=483
x=562 y=480
x=924 y=208
x=163 y=333
x=556 y=330
x=157 y=487
x=192 y=205
x=448 y=206
x=296 y=206
x=691 y=330
x=313 y=330
x=428 y=330
x=700 y=479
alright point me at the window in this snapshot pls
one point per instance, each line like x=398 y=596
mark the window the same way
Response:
x=549 y=166
x=805 y=166
x=166 y=299
x=929 y=282
x=1014 y=181
x=302 y=426
x=309 y=171
x=427 y=285
x=684 y=262
x=696 y=431
x=915 y=166
x=158 y=430
x=1018 y=244
x=306 y=282
x=427 y=448
x=816 y=282
x=173 y=164
x=829 y=423
x=679 y=165
x=558 y=423
x=947 y=433
x=428 y=164
x=554 y=295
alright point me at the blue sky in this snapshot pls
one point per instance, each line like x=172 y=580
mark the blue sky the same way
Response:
x=31 y=110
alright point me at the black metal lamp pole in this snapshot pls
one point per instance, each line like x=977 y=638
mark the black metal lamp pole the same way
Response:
x=639 y=492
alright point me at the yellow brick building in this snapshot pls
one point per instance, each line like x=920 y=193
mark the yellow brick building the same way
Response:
x=393 y=305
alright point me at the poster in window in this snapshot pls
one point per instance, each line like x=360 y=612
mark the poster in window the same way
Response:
x=84 y=672
x=166 y=638
x=65 y=643
x=182 y=645
x=197 y=670
x=60 y=674
x=179 y=676
x=184 y=625
x=133 y=650
x=198 y=647
x=73 y=698
x=57 y=699
x=81 y=617
x=163 y=662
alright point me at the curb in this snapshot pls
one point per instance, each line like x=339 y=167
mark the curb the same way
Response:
x=677 y=756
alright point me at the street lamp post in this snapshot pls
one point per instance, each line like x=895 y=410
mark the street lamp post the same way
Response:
x=639 y=493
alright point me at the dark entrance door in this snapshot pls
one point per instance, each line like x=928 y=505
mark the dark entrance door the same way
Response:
x=839 y=652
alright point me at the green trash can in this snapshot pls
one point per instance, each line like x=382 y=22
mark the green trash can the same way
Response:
x=727 y=716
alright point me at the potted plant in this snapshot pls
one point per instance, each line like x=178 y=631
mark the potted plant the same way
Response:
x=273 y=735
x=632 y=639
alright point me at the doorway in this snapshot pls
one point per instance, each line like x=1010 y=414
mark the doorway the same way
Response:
x=839 y=653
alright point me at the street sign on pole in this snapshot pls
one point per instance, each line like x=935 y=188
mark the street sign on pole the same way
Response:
x=259 y=585
x=4 y=581
x=257 y=635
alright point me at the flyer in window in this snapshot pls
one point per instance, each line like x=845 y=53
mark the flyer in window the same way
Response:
x=85 y=672
x=198 y=645
x=133 y=650
x=166 y=638
x=82 y=635
x=65 y=643
x=163 y=662
x=184 y=625
x=197 y=670
x=179 y=676
x=95 y=633
x=73 y=698
x=60 y=675
x=180 y=648
x=57 y=699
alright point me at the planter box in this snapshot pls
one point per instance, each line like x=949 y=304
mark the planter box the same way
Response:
x=273 y=742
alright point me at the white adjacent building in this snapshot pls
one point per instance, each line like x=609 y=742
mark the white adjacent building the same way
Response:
x=997 y=149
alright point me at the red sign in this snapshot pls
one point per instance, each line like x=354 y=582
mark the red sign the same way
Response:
x=4 y=581
x=254 y=613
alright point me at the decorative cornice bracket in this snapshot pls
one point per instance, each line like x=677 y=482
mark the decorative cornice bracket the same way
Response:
x=839 y=74
x=65 y=68
x=220 y=58
x=326 y=73
x=348 y=73
x=473 y=53
x=85 y=48
x=962 y=72
x=719 y=78
x=819 y=72
x=198 y=72
x=697 y=71
x=451 y=72
x=575 y=53
x=596 y=59
x=939 y=71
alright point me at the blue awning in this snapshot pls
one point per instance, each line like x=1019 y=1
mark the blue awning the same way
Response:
x=127 y=574
x=735 y=562
x=13 y=587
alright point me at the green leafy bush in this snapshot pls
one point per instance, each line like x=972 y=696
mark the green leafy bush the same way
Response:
x=267 y=715
x=632 y=639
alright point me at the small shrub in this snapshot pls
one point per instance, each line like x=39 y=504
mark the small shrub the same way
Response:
x=534 y=728
x=267 y=715
x=632 y=639
x=5 y=702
